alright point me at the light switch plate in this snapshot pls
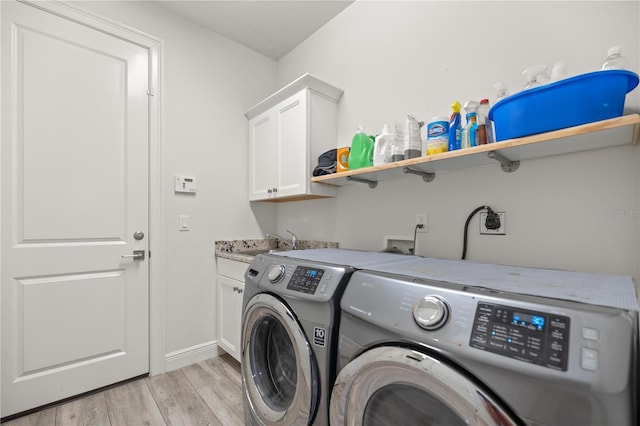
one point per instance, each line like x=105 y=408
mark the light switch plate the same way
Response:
x=184 y=223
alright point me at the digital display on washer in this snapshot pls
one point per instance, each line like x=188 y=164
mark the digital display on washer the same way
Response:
x=526 y=320
x=305 y=279
x=529 y=336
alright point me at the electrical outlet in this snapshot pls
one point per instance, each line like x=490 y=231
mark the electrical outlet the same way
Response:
x=499 y=231
x=421 y=219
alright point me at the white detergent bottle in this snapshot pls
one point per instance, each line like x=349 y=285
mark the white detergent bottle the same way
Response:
x=382 y=150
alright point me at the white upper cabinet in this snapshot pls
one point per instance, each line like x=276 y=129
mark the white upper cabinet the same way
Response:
x=287 y=133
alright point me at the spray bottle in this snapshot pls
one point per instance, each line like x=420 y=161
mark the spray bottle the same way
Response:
x=469 y=133
x=533 y=76
x=558 y=72
x=455 y=127
x=615 y=60
x=501 y=91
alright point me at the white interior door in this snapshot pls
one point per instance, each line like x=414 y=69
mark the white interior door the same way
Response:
x=74 y=182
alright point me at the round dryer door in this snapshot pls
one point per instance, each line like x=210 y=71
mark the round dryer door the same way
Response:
x=278 y=369
x=400 y=386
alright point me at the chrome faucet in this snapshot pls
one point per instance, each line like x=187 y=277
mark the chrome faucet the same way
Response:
x=293 y=242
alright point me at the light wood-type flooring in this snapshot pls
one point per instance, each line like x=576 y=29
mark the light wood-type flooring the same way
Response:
x=206 y=393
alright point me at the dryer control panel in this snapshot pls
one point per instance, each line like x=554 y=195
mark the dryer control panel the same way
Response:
x=535 y=337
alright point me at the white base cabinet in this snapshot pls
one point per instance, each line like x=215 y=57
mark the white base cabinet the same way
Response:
x=287 y=133
x=230 y=292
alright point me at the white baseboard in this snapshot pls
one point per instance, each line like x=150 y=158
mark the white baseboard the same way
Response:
x=187 y=356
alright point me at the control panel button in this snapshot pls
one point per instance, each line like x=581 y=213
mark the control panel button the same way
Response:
x=430 y=312
x=590 y=334
x=276 y=272
x=589 y=359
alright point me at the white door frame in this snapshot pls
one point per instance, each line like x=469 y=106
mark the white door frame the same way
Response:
x=155 y=48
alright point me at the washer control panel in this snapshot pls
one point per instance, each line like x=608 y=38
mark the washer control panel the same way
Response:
x=525 y=335
x=299 y=278
x=305 y=279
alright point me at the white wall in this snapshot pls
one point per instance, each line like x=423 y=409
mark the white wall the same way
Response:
x=208 y=84
x=391 y=58
x=397 y=57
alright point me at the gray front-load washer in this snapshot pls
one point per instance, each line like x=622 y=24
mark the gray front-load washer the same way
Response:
x=289 y=339
x=434 y=342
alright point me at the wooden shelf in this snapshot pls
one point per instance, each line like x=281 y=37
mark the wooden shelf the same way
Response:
x=601 y=134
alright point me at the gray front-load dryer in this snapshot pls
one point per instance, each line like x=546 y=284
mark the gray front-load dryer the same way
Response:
x=417 y=351
x=289 y=339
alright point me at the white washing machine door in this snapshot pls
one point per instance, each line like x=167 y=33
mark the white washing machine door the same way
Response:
x=279 y=371
x=400 y=386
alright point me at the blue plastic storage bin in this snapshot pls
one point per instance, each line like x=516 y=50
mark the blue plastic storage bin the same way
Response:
x=570 y=102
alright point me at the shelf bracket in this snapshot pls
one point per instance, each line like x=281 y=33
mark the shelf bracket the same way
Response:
x=372 y=183
x=507 y=165
x=426 y=176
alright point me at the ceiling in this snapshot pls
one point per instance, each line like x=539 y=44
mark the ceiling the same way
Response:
x=272 y=28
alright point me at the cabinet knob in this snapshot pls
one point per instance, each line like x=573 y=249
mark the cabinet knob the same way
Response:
x=275 y=189
x=269 y=191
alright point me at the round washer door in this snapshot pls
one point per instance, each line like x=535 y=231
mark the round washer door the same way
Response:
x=278 y=368
x=400 y=386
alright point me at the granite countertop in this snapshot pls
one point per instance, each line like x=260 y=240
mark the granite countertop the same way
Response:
x=231 y=249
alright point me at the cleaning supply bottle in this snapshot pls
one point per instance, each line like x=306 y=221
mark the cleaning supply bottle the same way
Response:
x=534 y=75
x=437 y=135
x=382 y=150
x=397 y=148
x=361 y=150
x=342 y=158
x=501 y=91
x=615 y=60
x=483 y=116
x=412 y=139
x=469 y=133
x=455 y=127
x=558 y=72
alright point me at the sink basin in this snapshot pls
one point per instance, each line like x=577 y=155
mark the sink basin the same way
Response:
x=255 y=252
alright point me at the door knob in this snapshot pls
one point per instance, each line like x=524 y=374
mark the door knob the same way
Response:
x=137 y=255
x=138 y=235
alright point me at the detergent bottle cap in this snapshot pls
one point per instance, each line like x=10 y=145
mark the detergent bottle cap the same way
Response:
x=532 y=75
x=386 y=129
x=455 y=106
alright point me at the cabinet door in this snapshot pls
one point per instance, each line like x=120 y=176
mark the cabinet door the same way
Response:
x=263 y=156
x=293 y=172
x=230 y=315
